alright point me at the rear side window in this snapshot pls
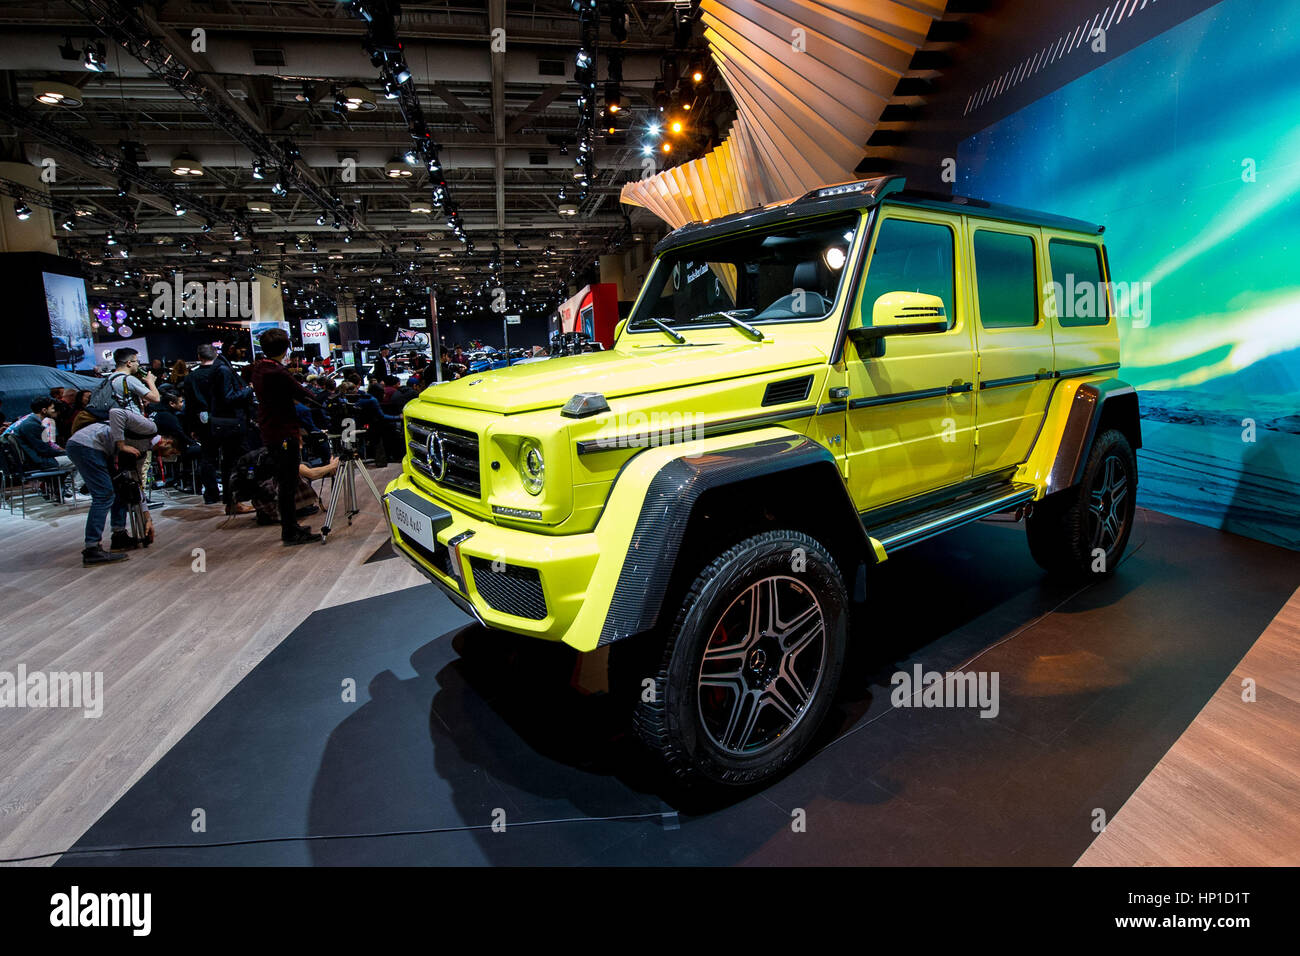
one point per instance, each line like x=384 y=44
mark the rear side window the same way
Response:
x=1081 y=299
x=1006 y=280
x=911 y=257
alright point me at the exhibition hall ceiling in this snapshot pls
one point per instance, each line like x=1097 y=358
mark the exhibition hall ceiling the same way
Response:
x=238 y=90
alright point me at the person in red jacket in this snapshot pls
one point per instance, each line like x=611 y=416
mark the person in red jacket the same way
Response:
x=277 y=420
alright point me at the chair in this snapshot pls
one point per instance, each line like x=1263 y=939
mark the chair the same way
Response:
x=17 y=472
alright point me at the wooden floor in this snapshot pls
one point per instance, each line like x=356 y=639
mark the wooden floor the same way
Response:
x=170 y=641
x=1228 y=792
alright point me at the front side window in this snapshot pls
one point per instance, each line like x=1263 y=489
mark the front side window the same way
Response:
x=911 y=257
x=791 y=273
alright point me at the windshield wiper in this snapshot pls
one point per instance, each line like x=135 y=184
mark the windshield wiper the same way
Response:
x=752 y=330
x=662 y=326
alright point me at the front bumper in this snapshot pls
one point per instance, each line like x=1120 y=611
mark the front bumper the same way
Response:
x=544 y=580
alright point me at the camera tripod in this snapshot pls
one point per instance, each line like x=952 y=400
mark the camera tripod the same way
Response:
x=343 y=483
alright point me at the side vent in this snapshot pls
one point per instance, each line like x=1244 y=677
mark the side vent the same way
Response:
x=791 y=390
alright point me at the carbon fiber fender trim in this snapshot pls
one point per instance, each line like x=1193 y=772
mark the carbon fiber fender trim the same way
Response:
x=1081 y=428
x=666 y=509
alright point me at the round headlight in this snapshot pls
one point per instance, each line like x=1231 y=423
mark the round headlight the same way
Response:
x=532 y=469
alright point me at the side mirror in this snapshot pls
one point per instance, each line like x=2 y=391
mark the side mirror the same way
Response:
x=899 y=313
x=618 y=329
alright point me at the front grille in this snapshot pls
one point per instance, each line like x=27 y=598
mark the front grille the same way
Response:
x=461 y=449
x=510 y=590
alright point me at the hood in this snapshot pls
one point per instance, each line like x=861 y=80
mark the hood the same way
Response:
x=634 y=371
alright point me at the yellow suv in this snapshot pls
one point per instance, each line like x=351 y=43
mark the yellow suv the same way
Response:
x=799 y=390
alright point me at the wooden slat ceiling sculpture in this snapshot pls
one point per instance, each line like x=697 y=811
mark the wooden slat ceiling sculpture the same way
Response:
x=810 y=79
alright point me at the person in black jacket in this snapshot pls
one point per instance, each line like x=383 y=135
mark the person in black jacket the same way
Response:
x=379 y=371
x=216 y=403
x=277 y=419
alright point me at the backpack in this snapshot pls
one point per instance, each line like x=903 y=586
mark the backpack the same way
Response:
x=250 y=471
x=105 y=397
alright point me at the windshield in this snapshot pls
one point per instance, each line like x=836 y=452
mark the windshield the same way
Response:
x=788 y=273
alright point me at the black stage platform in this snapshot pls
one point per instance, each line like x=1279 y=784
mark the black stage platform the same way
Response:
x=452 y=723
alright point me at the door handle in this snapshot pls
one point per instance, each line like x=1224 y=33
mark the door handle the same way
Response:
x=839 y=393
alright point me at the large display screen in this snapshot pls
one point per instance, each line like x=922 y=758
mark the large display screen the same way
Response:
x=1186 y=149
x=70 y=329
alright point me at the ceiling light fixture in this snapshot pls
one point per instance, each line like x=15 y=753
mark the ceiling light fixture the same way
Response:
x=186 y=165
x=358 y=98
x=54 y=93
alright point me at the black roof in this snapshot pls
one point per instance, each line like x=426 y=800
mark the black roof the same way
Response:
x=883 y=190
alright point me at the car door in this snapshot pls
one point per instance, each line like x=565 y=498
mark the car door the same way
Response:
x=1016 y=362
x=910 y=414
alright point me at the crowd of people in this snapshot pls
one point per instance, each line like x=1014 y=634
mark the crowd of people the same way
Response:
x=253 y=435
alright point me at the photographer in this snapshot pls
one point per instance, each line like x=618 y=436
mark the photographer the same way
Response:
x=94 y=449
x=278 y=422
x=215 y=403
x=125 y=387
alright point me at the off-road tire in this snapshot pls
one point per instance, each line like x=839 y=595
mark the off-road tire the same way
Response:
x=1062 y=529
x=786 y=569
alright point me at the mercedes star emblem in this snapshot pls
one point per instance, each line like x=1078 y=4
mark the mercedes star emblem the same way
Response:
x=437 y=455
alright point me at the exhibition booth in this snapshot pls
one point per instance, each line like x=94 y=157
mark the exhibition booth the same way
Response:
x=735 y=433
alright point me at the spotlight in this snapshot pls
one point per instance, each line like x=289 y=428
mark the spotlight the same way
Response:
x=697 y=76
x=123 y=187
x=258 y=171
x=278 y=189
x=412 y=157
x=207 y=226
x=110 y=239
x=320 y=220
x=401 y=74
x=95 y=58
x=22 y=210
x=613 y=98
x=304 y=95
x=179 y=209
x=67 y=224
